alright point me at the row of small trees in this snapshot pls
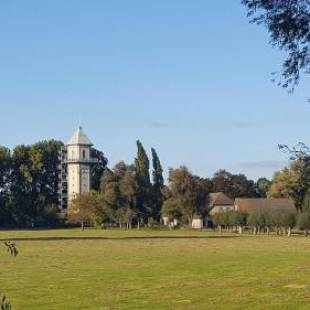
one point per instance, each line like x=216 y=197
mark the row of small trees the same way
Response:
x=263 y=221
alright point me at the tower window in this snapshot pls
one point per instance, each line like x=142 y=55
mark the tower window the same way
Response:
x=84 y=154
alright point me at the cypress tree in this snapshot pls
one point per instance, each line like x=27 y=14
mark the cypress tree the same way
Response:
x=158 y=183
x=142 y=167
x=158 y=179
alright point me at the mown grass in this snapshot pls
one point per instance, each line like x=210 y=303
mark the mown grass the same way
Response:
x=210 y=271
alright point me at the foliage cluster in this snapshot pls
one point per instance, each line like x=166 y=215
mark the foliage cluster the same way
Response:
x=263 y=221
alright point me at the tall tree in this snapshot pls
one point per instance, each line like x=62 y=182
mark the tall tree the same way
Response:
x=119 y=193
x=142 y=167
x=5 y=179
x=110 y=191
x=288 y=23
x=158 y=184
x=293 y=182
x=282 y=184
x=233 y=185
x=188 y=192
x=22 y=203
x=128 y=190
x=262 y=187
x=35 y=177
x=98 y=168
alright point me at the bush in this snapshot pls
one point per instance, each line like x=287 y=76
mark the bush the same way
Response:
x=152 y=224
x=218 y=219
x=288 y=220
x=258 y=219
x=238 y=218
x=171 y=210
x=229 y=219
x=49 y=215
x=303 y=222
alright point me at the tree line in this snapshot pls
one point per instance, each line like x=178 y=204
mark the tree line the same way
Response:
x=128 y=196
x=131 y=195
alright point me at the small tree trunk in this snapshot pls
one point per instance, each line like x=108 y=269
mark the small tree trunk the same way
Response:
x=267 y=230
x=190 y=223
x=82 y=225
x=306 y=232
x=138 y=224
x=220 y=228
x=240 y=229
x=289 y=232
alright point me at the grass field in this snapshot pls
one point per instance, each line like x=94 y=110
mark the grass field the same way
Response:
x=59 y=269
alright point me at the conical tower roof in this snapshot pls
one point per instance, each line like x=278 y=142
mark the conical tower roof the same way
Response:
x=79 y=138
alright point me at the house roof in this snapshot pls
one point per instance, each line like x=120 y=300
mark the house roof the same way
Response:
x=219 y=199
x=79 y=138
x=251 y=204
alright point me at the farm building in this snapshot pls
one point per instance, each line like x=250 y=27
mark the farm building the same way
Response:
x=219 y=202
x=252 y=204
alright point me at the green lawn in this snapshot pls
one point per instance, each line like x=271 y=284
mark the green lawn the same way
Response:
x=108 y=271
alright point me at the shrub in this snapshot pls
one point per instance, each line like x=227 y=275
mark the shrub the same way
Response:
x=238 y=218
x=152 y=224
x=288 y=220
x=49 y=215
x=257 y=219
x=303 y=222
x=218 y=219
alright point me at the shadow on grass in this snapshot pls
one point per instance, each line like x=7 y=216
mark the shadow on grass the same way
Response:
x=113 y=238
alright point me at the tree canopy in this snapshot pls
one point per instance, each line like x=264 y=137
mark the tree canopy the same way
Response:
x=188 y=192
x=294 y=180
x=288 y=23
x=233 y=185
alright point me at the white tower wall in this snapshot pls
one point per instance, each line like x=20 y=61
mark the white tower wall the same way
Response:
x=78 y=164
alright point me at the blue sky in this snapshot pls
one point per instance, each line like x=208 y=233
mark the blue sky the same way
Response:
x=190 y=78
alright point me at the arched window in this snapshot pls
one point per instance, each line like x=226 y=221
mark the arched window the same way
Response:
x=84 y=154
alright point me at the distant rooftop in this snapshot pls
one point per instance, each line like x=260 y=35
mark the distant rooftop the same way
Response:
x=252 y=204
x=79 y=138
x=219 y=199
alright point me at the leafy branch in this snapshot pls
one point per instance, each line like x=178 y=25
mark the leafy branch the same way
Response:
x=11 y=248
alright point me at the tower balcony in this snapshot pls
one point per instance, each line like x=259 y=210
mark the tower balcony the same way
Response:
x=89 y=161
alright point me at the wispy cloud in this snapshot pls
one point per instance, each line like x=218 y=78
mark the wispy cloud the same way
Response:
x=157 y=124
x=241 y=124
